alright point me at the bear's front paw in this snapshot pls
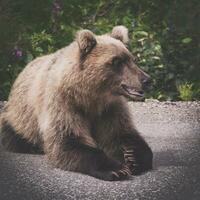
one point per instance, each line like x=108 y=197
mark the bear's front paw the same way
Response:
x=138 y=160
x=130 y=160
x=122 y=173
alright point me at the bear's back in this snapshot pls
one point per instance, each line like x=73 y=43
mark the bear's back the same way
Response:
x=31 y=89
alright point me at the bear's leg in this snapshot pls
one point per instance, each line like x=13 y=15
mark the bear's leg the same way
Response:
x=137 y=154
x=71 y=154
x=14 y=142
x=116 y=133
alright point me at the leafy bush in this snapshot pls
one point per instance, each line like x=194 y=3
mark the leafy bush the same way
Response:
x=164 y=36
x=186 y=92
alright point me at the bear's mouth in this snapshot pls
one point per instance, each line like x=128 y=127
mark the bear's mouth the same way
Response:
x=132 y=93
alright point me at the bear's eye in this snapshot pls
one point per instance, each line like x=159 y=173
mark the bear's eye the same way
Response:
x=135 y=59
x=117 y=64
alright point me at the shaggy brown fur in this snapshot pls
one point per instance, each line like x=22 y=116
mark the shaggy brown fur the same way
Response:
x=72 y=106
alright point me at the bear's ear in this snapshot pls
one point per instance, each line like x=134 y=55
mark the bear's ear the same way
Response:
x=120 y=33
x=86 y=41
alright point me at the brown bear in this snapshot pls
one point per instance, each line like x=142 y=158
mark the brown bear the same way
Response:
x=72 y=105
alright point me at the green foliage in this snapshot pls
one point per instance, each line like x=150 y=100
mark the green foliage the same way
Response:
x=164 y=37
x=186 y=92
x=41 y=43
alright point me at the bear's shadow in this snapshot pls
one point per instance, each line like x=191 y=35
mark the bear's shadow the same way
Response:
x=169 y=158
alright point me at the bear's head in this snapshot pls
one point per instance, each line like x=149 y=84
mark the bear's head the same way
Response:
x=107 y=68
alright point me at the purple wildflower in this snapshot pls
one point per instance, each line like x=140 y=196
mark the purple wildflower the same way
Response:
x=17 y=52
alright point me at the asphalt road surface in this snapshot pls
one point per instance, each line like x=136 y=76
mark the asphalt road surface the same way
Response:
x=171 y=129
